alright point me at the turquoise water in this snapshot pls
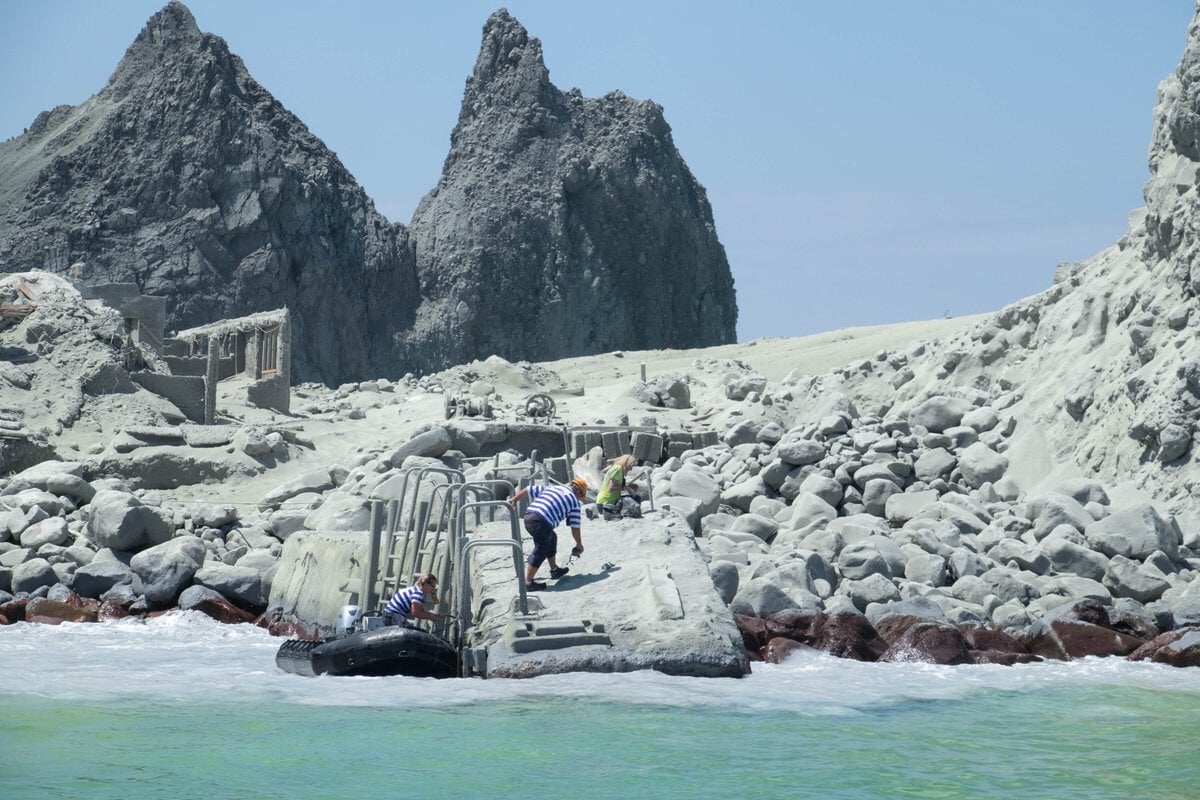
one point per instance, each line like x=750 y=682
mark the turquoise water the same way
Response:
x=184 y=708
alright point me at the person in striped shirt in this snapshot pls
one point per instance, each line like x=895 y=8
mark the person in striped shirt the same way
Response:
x=409 y=603
x=550 y=505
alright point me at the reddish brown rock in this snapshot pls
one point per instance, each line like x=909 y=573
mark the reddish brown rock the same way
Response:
x=842 y=635
x=779 y=648
x=1064 y=638
x=1041 y=640
x=1001 y=657
x=1132 y=624
x=989 y=637
x=1179 y=648
x=893 y=626
x=54 y=612
x=1082 y=639
x=279 y=625
x=929 y=642
x=850 y=636
x=222 y=610
x=112 y=609
x=14 y=610
x=803 y=625
x=1092 y=612
x=753 y=631
x=1096 y=613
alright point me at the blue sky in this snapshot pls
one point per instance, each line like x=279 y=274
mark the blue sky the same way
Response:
x=867 y=162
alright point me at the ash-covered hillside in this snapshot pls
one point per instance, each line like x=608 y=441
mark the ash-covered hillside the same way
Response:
x=1102 y=370
x=185 y=176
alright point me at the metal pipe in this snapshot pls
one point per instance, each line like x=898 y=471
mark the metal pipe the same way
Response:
x=366 y=595
x=516 y=539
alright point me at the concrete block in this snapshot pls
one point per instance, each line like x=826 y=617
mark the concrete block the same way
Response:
x=647 y=447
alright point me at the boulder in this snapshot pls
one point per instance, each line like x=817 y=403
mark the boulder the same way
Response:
x=980 y=464
x=167 y=569
x=1134 y=533
x=99 y=576
x=242 y=585
x=939 y=413
x=29 y=576
x=211 y=603
x=120 y=521
x=1179 y=648
x=340 y=512
x=932 y=642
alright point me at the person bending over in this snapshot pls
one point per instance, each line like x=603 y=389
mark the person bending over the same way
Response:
x=550 y=505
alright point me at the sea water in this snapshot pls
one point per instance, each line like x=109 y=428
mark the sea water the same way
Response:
x=182 y=707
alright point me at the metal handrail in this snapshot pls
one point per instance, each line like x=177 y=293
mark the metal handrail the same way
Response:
x=416 y=513
x=462 y=547
x=465 y=600
x=449 y=523
x=421 y=473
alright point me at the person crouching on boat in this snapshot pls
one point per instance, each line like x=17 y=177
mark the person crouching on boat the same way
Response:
x=549 y=506
x=409 y=604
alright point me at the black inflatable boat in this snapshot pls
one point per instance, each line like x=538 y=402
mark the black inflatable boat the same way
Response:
x=391 y=650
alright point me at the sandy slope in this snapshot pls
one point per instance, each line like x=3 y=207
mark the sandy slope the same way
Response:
x=773 y=358
x=390 y=418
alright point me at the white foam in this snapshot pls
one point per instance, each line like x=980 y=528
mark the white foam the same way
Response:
x=185 y=656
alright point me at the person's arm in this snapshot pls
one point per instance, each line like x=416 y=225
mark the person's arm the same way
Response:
x=518 y=497
x=419 y=612
x=578 y=541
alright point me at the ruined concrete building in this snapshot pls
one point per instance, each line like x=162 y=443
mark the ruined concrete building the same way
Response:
x=258 y=346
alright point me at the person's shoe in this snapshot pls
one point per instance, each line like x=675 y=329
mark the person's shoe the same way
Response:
x=558 y=572
x=534 y=586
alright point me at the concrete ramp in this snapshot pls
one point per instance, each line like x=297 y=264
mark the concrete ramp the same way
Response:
x=639 y=598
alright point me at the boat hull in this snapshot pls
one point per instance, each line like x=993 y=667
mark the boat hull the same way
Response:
x=384 y=651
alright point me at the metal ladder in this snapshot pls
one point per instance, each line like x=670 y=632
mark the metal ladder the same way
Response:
x=403 y=545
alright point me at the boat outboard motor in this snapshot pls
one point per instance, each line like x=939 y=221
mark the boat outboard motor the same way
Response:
x=348 y=621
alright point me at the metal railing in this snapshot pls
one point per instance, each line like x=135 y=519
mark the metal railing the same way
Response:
x=407 y=540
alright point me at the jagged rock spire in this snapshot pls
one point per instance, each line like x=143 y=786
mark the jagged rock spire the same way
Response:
x=551 y=208
x=1172 y=199
x=185 y=176
x=510 y=78
x=508 y=50
x=163 y=36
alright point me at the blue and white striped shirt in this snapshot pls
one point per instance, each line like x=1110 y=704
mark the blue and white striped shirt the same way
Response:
x=554 y=504
x=401 y=602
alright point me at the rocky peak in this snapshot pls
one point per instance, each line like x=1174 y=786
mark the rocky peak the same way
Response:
x=577 y=212
x=509 y=53
x=510 y=83
x=167 y=33
x=187 y=178
x=1172 y=205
